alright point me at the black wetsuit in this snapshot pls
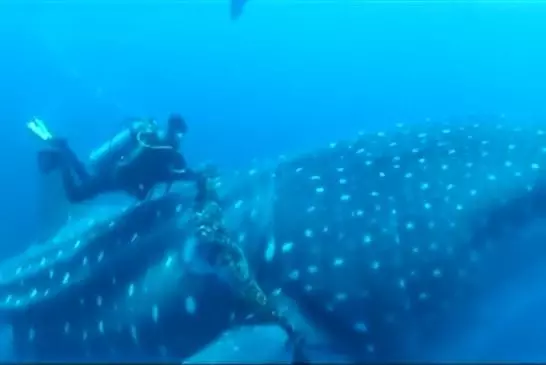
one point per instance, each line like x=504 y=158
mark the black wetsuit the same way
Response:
x=152 y=161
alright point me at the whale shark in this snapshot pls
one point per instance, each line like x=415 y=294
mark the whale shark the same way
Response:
x=387 y=243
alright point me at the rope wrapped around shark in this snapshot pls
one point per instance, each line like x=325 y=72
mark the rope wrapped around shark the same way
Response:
x=227 y=259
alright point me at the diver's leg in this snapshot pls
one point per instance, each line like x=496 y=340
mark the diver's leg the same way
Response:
x=78 y=191
x=76 y=164
x=70 y=160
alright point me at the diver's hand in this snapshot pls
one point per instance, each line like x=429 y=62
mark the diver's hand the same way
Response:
x=208 y=170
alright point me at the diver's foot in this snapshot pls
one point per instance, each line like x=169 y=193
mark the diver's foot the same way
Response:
x=58 y=143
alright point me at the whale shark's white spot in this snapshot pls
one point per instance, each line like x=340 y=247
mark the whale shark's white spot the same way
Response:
x=287 y=246
x=367 y=239
x=314 y=177
x=319 y=190
x=43 y=261
x=308 y=233
x=59 y=253
x=338 y=261
x=8 y=299
x=169 y=261
x=294 y=275
x=308 y=288
x=155 y=313
x=18 y=270
x=270 y=250
x=191 y=305
x=85 y=261
x=312 y=269
x=66 y=278
x=31 y=334
x=99 y=301
x=100 y=256
x=33 y=293
x=131 y=290
x=360 y=327
x=375 y=265
x=66 y=327
x=311 y=209
x=134 y=237
x=238 y=204
x=341 y=296
x=345 y=197
x=343 y=181
x=101 y=327
x=84 y=335
x=134 y=333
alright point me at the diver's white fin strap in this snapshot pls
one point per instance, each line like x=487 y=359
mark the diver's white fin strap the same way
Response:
x=38 y=127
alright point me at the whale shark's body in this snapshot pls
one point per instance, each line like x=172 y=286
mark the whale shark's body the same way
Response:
x=386 y=243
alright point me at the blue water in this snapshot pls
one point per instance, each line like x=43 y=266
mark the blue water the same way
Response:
x=285 y=77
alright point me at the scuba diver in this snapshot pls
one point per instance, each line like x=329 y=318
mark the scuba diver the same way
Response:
x=134 y=161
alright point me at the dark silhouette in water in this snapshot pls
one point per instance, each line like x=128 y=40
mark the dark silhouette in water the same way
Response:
x=236 y=8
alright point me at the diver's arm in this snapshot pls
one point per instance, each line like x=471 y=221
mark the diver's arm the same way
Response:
x=133 y=156
x=183 y=173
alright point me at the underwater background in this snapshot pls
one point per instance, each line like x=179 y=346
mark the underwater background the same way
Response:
x=285 y=77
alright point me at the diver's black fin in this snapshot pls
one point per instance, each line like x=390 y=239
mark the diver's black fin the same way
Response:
x=236 y=8
x=49 y=160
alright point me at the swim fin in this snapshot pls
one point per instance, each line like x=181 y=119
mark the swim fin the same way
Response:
x=49 y=160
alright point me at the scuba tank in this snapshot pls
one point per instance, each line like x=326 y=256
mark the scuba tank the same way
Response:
x=122 y=143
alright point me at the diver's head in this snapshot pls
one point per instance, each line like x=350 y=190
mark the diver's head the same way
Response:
x=176 y=127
